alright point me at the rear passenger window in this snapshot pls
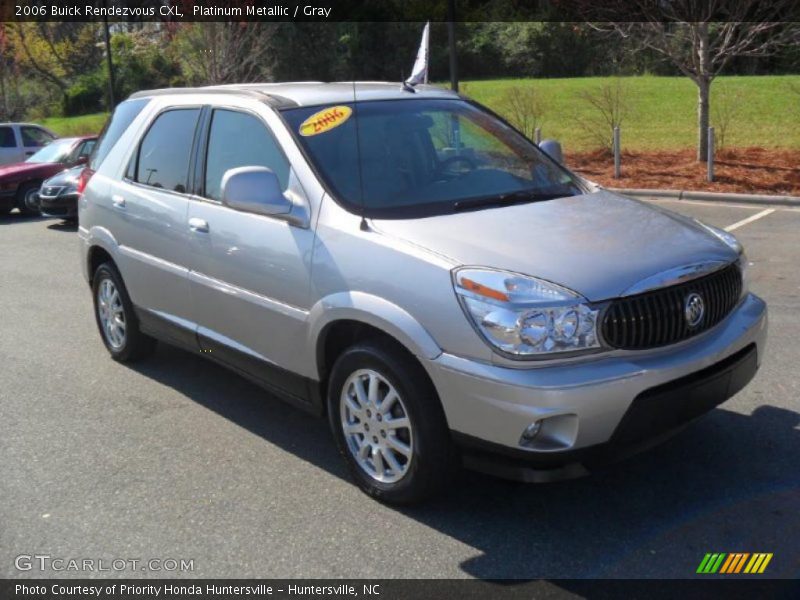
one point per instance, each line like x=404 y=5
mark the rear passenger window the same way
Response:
x=123 y=116
x=238 y=139
x=163 y=159
x=7 y=138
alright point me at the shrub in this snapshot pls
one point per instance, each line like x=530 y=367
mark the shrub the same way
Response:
x=524 y=108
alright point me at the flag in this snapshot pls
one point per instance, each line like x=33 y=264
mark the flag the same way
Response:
x=419 y=74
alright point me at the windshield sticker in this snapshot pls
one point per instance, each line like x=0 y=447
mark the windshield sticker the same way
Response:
x=325 y=120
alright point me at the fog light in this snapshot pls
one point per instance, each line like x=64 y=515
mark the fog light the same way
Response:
x=530 y=433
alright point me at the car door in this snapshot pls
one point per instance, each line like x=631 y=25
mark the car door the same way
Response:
x=9 y=151
x=149 y=206
x=250 y=273
x=33 y=139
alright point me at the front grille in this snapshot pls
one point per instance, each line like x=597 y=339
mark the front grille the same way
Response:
x=657 y=318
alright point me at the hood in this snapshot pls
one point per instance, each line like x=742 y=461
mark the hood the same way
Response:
x=25 y=169
x=598 y=244
x=65 y=177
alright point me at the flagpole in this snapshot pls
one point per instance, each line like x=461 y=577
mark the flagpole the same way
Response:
x=451 y=38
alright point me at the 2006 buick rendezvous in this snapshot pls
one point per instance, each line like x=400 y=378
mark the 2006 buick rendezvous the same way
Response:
x=409 y=264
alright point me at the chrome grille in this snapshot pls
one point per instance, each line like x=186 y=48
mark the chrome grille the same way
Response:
x=657 y=318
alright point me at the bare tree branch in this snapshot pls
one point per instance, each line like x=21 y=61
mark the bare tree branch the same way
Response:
x=700 y=38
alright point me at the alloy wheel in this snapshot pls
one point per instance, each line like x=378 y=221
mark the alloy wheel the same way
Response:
x=376 y=426
x=111 y=313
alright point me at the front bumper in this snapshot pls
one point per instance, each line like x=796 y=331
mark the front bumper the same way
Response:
x=586 y=405
x=64 y=206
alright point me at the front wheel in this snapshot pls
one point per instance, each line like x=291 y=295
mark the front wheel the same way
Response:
x=389 y=425
x=28 y=199
x=116 y=320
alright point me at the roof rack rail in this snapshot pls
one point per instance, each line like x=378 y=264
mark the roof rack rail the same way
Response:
x=272 y=99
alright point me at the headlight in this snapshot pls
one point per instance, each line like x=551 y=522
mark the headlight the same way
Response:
x=70 y=188
x=524 y=316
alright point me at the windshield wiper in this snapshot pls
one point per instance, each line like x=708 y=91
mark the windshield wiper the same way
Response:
x=503 y=200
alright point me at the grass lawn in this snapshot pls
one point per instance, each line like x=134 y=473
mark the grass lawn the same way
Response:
x=662 y=110
x=661 y=113
x=68 y=126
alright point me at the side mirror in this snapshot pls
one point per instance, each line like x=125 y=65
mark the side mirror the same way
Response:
x=254 y=189
x=553 y=149
x=82 y=160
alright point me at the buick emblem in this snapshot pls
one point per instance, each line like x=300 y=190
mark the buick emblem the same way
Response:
x=693 y=309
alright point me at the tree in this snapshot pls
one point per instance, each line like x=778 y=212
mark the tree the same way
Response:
x=607 y=107
x=56 y=53
x=701 y=38
x=524 y=108
x=226 y=52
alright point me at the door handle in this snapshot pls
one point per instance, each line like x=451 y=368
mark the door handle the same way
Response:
x=29 y=153
x=198 y=225
x=118 y=201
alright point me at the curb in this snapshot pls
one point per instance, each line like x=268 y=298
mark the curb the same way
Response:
x=758 y=199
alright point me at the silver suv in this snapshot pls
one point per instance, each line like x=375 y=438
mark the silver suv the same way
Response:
x=407 y=263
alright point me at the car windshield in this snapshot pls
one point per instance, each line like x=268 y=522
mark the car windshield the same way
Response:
x=55 y=152
x=423 y=157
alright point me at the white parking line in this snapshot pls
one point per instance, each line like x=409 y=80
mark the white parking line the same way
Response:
x=750 y=219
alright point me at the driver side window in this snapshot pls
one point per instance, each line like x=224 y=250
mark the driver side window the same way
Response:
x=238 y=139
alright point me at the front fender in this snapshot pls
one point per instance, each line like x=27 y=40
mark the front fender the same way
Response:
x=371 y=310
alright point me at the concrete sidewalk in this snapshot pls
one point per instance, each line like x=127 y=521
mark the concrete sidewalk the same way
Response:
x=758 y=199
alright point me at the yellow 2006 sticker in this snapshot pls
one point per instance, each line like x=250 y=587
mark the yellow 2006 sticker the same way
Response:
x=325 y=120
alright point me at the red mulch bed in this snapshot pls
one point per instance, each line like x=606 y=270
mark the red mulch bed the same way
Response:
x=741 y=170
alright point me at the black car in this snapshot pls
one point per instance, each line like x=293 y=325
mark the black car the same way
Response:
x=58 y=196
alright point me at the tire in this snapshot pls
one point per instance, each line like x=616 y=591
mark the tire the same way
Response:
x=26 y=199
x=432 y=462
x=128 y=344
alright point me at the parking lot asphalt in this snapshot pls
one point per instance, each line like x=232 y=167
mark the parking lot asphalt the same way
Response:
x=178 y=458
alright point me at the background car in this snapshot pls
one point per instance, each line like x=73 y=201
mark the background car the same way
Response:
x=20 y=182
x=58 y=196
x=21 y=140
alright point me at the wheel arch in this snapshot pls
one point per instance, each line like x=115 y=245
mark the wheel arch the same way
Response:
x=340 y=320
x=101 y=247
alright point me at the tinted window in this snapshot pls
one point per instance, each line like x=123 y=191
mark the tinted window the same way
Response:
x=240 y=140
x=123 y=116
x=163 y=159
x=410 y=158
x=33 y=136
x=7 y=138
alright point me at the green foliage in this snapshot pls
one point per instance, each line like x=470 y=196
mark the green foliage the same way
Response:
x=86 y=95
x=140 y=62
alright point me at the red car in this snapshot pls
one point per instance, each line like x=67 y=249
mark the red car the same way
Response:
x=20 y=182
